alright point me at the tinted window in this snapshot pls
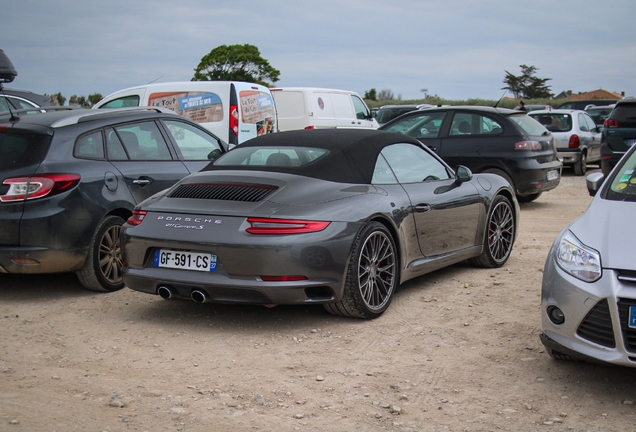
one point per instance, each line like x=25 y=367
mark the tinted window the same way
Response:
x=474 y=124
x=141 y=141
x=270 y=156
x=625 y=114
x=126 y=101
x=422 y=125
x=89 y=146
x=22 y=150
x=556 y=122
x=529 y=125
x=413 y=164
x=193 y=143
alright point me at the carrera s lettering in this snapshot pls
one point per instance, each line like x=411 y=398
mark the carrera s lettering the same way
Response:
x=196 y=227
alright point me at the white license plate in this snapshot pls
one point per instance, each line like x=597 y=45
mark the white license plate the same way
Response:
x=553 y=175
x=630 y=142
x=632 y=317
x=185 y=260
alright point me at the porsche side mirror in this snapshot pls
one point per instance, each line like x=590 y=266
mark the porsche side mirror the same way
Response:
x=462 y=174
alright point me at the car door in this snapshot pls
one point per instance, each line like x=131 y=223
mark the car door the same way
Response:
x=196 y=147
x=140 y=153
x=446 y=214
x=594 y=145
x=472 y=139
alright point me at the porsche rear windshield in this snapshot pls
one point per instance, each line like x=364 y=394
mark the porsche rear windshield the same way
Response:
x=270 y=156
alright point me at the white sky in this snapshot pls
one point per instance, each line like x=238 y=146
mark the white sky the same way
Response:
x=457 y=49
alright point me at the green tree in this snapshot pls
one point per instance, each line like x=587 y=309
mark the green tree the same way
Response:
x=527 y=85
x=235 y=63
x=94 y=98
x=370 y=95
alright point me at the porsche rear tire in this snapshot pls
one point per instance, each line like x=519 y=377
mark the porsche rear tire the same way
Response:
x=500 y=234
x=372 y=275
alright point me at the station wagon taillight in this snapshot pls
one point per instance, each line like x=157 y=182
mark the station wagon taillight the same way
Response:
x=234 y=119
x=284 y=226
x=575 y=141
x=29 y=188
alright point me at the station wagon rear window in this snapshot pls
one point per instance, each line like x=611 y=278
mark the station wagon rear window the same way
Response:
x=19 y=150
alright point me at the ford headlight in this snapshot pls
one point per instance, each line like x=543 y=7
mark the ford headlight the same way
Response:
x=580 y=261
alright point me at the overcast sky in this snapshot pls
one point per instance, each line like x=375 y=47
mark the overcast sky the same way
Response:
x=456 y=49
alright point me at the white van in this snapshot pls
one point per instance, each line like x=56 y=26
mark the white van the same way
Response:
x=314 y=108
x=234 y=111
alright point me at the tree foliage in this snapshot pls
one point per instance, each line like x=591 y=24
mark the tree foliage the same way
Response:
x=527 y=85
x=371 y=94
x=235 y=63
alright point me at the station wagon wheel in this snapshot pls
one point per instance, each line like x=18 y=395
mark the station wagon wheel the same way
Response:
x=372 y=275
x=102 y=269
x=500 y=234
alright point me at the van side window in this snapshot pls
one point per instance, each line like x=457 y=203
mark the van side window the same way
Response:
x=122 y=102
x=193 y=143
x=362 y=113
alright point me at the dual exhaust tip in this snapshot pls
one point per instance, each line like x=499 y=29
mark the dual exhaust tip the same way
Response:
x=197 y=296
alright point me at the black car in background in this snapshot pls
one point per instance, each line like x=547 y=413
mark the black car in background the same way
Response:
x=492 y=140
x=70 y=178
x=618 y=134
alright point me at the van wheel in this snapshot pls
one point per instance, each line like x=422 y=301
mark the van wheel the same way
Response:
x=372 y=276
x=102 y=269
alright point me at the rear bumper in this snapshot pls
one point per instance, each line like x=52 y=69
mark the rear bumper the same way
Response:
x=534 y=180
x=569 y=156
x=40 y=260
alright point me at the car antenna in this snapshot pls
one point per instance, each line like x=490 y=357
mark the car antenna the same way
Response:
x=156 y=79
x=500 y=98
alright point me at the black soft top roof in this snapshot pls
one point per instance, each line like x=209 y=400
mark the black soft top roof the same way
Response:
x=351 y=158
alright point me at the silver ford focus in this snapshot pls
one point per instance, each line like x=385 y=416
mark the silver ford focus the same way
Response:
x=332 y=217
x=588 y=300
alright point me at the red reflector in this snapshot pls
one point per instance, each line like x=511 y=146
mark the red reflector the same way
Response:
x=284 y=226
x=234 y=119
x=309 y=127
x=283 y=278
x=137 y=217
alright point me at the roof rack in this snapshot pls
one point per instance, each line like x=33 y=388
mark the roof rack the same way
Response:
x=93 y=114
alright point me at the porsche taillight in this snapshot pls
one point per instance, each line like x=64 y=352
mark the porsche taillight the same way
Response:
x=268 y=226
x=29 y=188
x=137 y=217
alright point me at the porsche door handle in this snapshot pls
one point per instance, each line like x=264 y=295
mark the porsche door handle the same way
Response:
x=422 y=208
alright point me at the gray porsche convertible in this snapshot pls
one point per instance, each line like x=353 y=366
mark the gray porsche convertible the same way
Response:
x=333 y=217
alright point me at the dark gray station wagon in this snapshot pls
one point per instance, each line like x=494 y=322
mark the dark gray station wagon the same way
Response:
x=69 y=179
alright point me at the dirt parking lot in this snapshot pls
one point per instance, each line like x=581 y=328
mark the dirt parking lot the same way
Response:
x=458 y=350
